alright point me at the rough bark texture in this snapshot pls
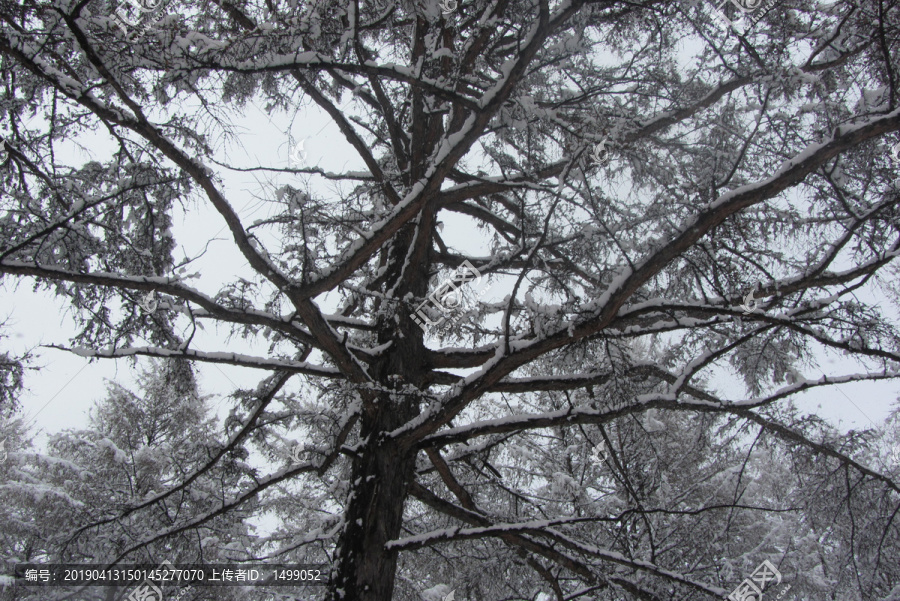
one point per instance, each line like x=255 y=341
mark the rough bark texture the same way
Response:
x=383 y=468
x=374 y=516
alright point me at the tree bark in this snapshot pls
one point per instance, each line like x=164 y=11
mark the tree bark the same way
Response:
x=374 y=516
x=381 y=475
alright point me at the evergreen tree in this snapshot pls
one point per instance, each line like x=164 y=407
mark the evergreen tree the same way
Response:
x=666 y=202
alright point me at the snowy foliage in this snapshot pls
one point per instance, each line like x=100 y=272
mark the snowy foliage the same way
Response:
x=460 y=460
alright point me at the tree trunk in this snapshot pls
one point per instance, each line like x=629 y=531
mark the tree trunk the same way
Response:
x=374 y=515
x=381 y=475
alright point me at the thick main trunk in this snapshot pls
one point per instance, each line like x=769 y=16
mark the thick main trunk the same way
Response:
x=381 y=475
x=374 y=515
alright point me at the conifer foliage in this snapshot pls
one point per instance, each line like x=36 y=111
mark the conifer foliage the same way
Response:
x=679 y=221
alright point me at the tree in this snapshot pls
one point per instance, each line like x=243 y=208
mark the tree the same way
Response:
x=666 y=201
x=82 y=501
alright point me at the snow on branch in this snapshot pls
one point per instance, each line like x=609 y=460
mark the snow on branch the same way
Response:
x=301 y=367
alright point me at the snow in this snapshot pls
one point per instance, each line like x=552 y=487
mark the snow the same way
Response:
x=215 y=357
x=119 y=455
x=439 y=592
x=803 y=156
x=551 y=318
x=38 y=491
